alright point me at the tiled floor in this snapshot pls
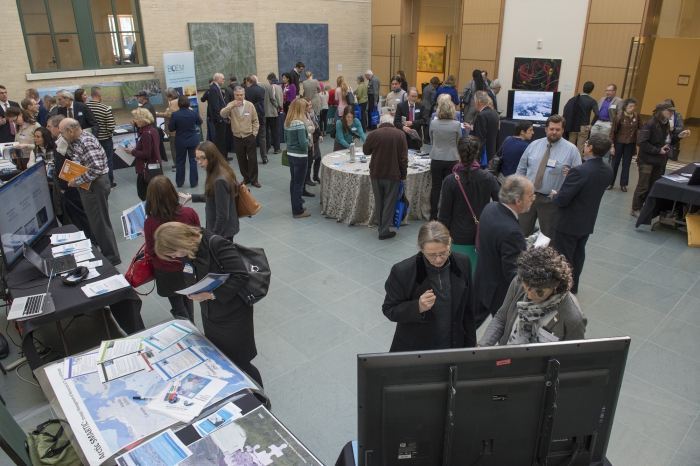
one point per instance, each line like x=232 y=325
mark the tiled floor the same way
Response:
x=324 y=308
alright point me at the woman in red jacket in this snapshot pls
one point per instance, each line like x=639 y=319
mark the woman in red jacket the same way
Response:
x=147 y=150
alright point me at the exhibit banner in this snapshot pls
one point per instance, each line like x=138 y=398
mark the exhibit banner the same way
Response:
x=180 y=74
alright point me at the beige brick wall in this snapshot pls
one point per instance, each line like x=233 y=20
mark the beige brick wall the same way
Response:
x=165 y=30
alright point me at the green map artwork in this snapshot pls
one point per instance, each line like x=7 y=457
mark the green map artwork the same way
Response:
x=112 y=93
x=222 y=48
x=431 y=59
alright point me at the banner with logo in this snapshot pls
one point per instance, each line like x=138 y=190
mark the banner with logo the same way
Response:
x=180 y=75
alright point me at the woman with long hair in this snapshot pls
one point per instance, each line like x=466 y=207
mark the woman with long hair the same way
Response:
x=184 y=122
x=323 y=95
x=341 y=94
x=404 y=83
x=289 y=91
x=480 y=187
x=220 y=192
x=296 y=135
x=25 y=125
x=226 y=319
x=624 y=131
x=448 y=87
x=163 y=206
x=311 y=120
x=444 y=133
x=346 y=129
x=147 y=150
x=81 y=96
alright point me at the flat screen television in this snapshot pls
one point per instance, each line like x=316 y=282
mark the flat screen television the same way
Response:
x=499 y=394
x=535 y=106
x=26 y=211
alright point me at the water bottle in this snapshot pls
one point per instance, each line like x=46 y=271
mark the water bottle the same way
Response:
x=352 y=152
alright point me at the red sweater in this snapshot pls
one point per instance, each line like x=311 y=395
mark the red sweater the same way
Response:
x=147 y=150
x=188 y=216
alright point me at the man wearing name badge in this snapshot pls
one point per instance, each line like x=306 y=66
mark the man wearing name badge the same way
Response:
x=578 y=201
x=256 y=94
x=396 y=96
x=607 y=109
x=77 y=111
x=545 y=163
x=415 y=118
x=32 y=93
x=85 y=149
x=245 y=126
x=7 y=129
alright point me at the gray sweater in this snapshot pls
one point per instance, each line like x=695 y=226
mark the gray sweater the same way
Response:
x=571 y=324
x=444 y=135
x=221 y=214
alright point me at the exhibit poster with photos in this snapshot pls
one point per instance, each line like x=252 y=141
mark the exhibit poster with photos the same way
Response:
x=180 y=74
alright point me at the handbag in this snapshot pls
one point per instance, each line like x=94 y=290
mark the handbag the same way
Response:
x=140 y=270
x=358 y=112
x=402 y=207
x=258 y=269
x=150 y=173
x=49 y=444
x=476 y=220
x=374 y=117
x=494 y=166
x=246 y=205
x=285 y=160
x=352 y=101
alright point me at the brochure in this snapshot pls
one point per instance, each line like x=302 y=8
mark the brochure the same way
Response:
x=209 y=283
x=225 y=415
x=163 y=450
x=118 y=367
x=187 y=396
x=110 y=349
x=148 y=356
x=83 y=256
x=168 y=336
x=133 y=220
x=77 y=366
x=178 y=364
x=61 y=238
x=72 y=248
x=105 y=286
x=73 y=170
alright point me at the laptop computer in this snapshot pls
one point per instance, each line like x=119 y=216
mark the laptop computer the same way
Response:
x=48 y=266
x=28 y=307
x=695 y=177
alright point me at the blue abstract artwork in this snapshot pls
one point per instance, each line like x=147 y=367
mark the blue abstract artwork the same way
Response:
x=306 y=43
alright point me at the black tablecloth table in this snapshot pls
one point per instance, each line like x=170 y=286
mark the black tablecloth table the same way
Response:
x=664 y=192
x=7 y=176
x=508 y=126
x=69 y=301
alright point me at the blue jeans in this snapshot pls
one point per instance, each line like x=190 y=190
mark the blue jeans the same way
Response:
x=182 y=154
x=297 y=167
x=108 y=146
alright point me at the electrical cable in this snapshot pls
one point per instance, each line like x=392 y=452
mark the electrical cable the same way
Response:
x=43 y=349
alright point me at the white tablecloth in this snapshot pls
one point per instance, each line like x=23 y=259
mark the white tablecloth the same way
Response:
x=346 y=190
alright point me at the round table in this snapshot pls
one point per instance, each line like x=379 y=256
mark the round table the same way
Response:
x=346 y=189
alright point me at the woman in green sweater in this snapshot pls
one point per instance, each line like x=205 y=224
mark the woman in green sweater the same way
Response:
x=347 y=128
x=296 y=136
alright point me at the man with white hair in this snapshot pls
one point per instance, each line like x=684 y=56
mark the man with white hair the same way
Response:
x=372 y=93
x=388 y=167
x=494 y=89
x=77 y=111
x=85 y=149
x=216 y=103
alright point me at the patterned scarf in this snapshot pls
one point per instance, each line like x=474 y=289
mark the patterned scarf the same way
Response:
x=526 y=324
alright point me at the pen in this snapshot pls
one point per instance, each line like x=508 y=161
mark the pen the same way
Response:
x=143 y=398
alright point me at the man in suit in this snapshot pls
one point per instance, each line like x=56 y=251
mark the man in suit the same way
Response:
x=7 y=129
x=492 y=91
x=32 y=93
x=501 y=241
x=77 y=111
x=295 y=76
x=255 y=94
x=416 y=117
x=485 y=126
x=216 y=104
x=49 y=102
x=577 y=112
x=578 y=201
x=373 y=85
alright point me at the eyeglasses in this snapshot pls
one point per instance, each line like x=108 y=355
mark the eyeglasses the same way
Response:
x=201 y=159
x=442 y=255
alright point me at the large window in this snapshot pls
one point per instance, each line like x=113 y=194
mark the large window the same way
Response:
x=82 y=34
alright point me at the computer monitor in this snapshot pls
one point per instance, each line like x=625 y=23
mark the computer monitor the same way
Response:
x=26 y=211
x=534 y=106
x=497 y=411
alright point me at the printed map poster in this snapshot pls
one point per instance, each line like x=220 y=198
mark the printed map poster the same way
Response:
x=536 y=74
x=254 y=439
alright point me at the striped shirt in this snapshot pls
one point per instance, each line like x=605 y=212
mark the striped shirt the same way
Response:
x=88 y=152
x=105 y=119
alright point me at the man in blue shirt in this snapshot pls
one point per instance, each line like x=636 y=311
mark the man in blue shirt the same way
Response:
x=546 y=163
x=609 y=106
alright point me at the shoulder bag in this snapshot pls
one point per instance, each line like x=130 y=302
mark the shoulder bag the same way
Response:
x=148 y=172
x=494 y=166
x=476 y=220
x=350 y=98
x=258 y=269
x=140 y=270
x=246 y=205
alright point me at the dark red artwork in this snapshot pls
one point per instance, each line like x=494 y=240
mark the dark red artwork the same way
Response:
x=536 y=74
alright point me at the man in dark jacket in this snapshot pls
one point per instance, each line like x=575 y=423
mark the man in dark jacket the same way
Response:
x=577 y=113
x=229 y=97
x=7 y=129
x=77 y=111
x=387 y=169
x=216 y=103
x=485 y=126
x=654 y=141
x=578 y=201
x=255 y=94
x=411 y=115
x=295 y=75
x=501 y=240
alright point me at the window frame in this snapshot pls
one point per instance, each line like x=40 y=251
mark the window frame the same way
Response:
x=87 y=37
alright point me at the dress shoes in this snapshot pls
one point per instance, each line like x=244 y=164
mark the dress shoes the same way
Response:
x=623 y=189
x=265 y=160
x=609 y=188
x=309 y=182
x=391 y=234
x=634 y=213
x=308 y=194
x=257 y=185
x=229 y=158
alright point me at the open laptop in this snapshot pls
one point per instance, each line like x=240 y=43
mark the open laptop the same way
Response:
x=27 y=307
x=47 y=266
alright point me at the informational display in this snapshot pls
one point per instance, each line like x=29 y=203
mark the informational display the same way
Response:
x=26 y=211
x=180 y=74
x=531 y=105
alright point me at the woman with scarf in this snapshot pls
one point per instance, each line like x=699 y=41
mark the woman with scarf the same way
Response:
x=430 y=296
x=538 y=307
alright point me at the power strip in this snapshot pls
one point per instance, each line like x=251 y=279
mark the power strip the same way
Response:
x=18 y=362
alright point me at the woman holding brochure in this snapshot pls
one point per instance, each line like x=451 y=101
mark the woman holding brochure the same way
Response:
x=147 y=151
x=163 y=206
x=227 y=320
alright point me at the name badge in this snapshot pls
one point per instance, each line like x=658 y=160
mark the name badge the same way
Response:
x=153 y=166
x=416 y=110
x=187 y=268
x=398 y=99
x=613 y=106
x=21 y=136
x=551 y=163
x=546 y=337
x=353 y=128
x=80 y=113
x=246 y=113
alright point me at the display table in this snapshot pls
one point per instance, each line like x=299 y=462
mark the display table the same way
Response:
x=24 y=280
x=346 y=190
x=8 y=175
x=665 y=192
x=508 y=126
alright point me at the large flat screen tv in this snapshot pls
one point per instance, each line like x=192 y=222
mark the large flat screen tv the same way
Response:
x=26 y=211
x=534 y=106
x=499 y=395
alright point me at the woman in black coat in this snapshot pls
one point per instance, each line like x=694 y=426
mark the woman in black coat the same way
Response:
x=226 y=318
x=430 y=296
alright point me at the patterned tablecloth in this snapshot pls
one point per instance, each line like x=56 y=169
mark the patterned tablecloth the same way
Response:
x=346 y=189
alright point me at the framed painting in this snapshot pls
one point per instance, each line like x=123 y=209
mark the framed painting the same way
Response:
x=431 y=59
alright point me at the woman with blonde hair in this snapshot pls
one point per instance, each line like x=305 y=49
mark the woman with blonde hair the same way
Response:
x=341 y=95
x=296 y=136
x=227 y=320
x=147 y=151
x=444 y=134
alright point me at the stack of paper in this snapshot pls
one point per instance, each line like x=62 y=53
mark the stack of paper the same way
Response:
x=187 y=396
x=105 y=286
x=72 y=248
x=77 y=366
x=676 y=178
x=63 y=238
x=118 y=358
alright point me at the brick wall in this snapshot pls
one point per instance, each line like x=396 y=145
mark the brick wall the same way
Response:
x=165 y=30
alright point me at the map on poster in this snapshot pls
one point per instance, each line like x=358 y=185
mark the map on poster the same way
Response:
x=105 y=418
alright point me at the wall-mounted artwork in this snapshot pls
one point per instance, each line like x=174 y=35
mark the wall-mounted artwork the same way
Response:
x=536 y=74
x=131 y=88
x=222 y=48
x=112 y=93
x=53 y=90
x=306 y=43
x=431 y=59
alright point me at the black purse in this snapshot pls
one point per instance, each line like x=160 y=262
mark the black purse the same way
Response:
x=258 y=268
x=148 y=172
x=494 y=166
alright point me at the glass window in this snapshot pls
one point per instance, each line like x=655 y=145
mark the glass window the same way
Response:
x=79 y=34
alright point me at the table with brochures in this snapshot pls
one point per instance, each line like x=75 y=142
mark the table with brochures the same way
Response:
x=24 y=280
x=665 y=192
